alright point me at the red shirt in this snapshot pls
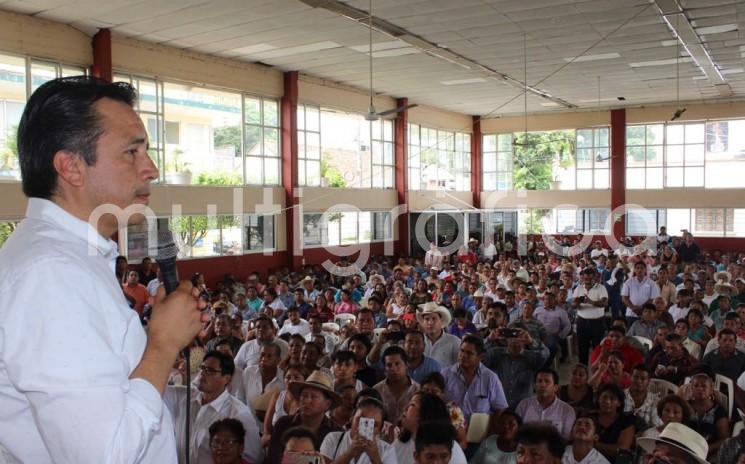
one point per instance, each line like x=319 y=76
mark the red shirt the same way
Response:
x=139 y=293
x=631 y=356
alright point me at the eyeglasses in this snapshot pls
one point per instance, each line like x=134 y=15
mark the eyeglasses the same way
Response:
x=215 y=443
x=209 y=370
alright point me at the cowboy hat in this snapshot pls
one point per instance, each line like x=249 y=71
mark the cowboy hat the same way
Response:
x=320 y=381
x=433 y=308
x=681 y=437
x=722 y=285
x=478 y=293
x=723 y=276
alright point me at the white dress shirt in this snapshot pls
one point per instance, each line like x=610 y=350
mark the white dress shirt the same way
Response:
x=68 y=343
x=444 y=350
x=302 y=328
x=639 y=292
x=405 y=452
x=253 y=387
x=593 y=457
x=596 y=293
x=337 y=443
x=248 y=354
x=202 y=416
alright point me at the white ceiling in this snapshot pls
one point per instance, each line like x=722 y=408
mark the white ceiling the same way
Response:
x=290 y=35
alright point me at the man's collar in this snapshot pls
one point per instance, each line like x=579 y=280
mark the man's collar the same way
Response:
x=217 y=403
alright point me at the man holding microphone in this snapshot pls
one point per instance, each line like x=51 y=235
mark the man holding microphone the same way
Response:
x=80 y=381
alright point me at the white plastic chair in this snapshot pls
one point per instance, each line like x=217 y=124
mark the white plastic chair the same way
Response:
x=720 y=380
x=344 y=319
x=477 y=427
x=662 y=387
x=644 y=341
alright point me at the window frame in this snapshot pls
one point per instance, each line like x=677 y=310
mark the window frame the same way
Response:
x=450 y=152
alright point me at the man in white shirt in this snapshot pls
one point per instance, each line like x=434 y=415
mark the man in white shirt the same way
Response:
x=271 y=301
x=263 y=377
x=87 y=386
x=265 y=332
x=439 y=345
x=638 y=290
x=211 y=403
x=294 y=324
x=590 y=300
x=597 y=252
x=582 y=450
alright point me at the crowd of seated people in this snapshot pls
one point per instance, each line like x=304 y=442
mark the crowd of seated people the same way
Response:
x=455 y=358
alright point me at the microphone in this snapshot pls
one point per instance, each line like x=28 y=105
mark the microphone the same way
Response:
x=166 y=259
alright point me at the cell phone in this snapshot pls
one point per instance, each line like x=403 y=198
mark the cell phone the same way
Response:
x=300 y=458
x=395 y=336
x=366 y=427
x=509 y=333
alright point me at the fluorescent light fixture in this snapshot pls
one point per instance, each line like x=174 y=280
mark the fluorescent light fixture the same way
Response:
x=550 y=104
x=596 y=100
x=395 y=52
x=257 y=48
x=600 y=56
x=733 y=71
x=308 y=48
x=716 y=29
x=644 y=64
x=380 y=46
x=475 y=80
x=669 y=43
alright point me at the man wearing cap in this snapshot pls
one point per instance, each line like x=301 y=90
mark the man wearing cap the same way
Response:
x=677 y=444
x=315 y=396
x=590 y=300
x=440 y=345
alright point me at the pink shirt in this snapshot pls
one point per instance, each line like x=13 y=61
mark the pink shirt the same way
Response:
x=343 y=307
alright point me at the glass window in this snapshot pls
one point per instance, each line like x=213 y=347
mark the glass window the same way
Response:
x=438 y=159
x=642 y=222
x=315 y=229
x=735 y=227
x=207 y=149
x=150 y=109
x=725 y=154
x=138 y=242
x=382 y=226
x=261 y=144
x=309 y=146
x=383 y=158
x=644 y=156
x=593 y=158
x=710 y=221
x=259 y=232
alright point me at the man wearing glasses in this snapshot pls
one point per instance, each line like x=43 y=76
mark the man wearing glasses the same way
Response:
x=211 y=403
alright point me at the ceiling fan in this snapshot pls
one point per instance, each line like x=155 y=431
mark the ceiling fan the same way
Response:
x=372 y=114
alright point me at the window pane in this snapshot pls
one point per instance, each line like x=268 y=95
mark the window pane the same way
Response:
x=312 y=146
x=695 y=133
x=635 y=156
x=490 y=162
x=365 y=230
x=602 y=178
x=655 y=134
x=388 y=153
x=694 y=155
x=41 y=73
x=675 y=155
x=253 y=110
x=635 y=136
x=655 y=178
x=675 y=134
x=602 y=135
x=584 y=178
x=584 y=157
x=138 y=241
x=654 y=155
x=635 y=178
x=641 y=222
x=490 y=181
x=584 y=138
x=253 y=170
x=725 y=154
x=205 y=236
x=271 y=113
x=674 y=177
x=271 y=171
x=388 y=131
x=232 y=235
x=602 y=157
x=504 y=142
x=678 y=220
x=708 y=221
x=736 y=227
x=313 y=173
x=301 y=117
x=313 y=229
x=312 y=122
x=271 y=143
x=388 y=176
x=694 y=177
x=148 y=95
x=12 y=102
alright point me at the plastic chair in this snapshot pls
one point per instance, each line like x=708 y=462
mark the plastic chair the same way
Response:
x=477 y=427
x=720 y=380
x=662 y=387
x=739 y=425
x=644 y=341
x=344 y=319
x=572 y=346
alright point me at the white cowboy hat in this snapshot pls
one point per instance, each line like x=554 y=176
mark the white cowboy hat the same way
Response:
x=478 y=293
x=681 y=437
x=721 y=285
x=320 y=381
x=433 y=308
x=723 y=276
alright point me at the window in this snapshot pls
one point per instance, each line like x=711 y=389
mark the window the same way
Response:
x=593 y=158
x=684 y=155
x=18 y=77
x=259 y=232
x=497 y=162
x=382 y=150
x=138 y=241
x=645 y=222
x=644 y=156
x=725 y=154
x=150 y=109
x=438 y=159
x=309 y=145
x=261 y=116
x=345 y=228
x=711 y=221
x=564 y=220
x=206 y=147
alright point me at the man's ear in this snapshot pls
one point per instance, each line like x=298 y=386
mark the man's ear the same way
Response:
x=70 y=168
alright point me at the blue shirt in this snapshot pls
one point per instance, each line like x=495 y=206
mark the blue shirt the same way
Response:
x=484 y=394
x=427 y=367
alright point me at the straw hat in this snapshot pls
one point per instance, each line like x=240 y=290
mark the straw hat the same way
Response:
x=681 y=437
x=724 y=286
x=723 y=276
x=320 y=381
x=433 y=308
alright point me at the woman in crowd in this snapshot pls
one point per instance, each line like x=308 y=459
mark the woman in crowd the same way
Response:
x=697 y=331
x=434 y=383
x=708 y=417
x=226 y=441
x=671 y=408
x=397 y=305
x=578 y=393
x=422 y=407
x=322 y=309
x=346 y=305
x=421 y=294
x=609 y=369
x=282 y=403
x=500 y=448
x=293 y=353
x=353 y=446
x=615 y=428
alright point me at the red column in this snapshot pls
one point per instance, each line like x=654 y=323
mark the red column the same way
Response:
x=476 y=157
x=618 y=168
x=293 y=220
x=402 y=168
x=102 y=55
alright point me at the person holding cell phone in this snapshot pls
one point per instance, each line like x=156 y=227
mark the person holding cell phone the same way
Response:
x=362 y=443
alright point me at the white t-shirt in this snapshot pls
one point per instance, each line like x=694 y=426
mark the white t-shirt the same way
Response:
x=593 y=457
x=405 y=453
x=585 y=310
x=333 y=448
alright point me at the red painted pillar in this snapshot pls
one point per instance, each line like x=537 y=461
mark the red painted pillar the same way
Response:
x=293 y=220
x=402 y=174
x=102 y=55
x=618 y=168
x=476 y=157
